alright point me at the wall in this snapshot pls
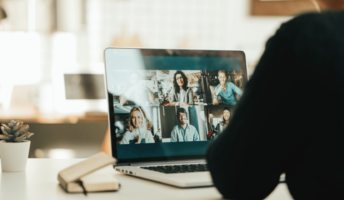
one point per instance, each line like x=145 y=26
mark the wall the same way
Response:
x=66 y=140
x=201 y=24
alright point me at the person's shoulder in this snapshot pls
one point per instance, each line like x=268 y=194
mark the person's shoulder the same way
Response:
x=147 y=132
x=175 y=127
x=192 y=127
x=229 y=83
x=312 y=22
x=172 y=91
x=318 y=17
x=127 y=133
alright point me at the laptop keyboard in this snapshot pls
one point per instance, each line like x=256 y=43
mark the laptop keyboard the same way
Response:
x=171 y=169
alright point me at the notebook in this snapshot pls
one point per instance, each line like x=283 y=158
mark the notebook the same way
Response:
x=90 y=175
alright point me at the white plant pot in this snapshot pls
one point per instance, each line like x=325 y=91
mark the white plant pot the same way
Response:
x=14 y=155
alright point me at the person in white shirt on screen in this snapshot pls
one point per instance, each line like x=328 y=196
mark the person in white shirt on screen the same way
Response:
x=139 y=92
x=137 y=128
x=158 y=133
x=184 y=132
x=181 y=94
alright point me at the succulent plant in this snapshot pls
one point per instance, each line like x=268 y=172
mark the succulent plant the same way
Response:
x=15 y=131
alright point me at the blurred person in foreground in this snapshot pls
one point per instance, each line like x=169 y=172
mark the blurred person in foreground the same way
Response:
x=290 y=117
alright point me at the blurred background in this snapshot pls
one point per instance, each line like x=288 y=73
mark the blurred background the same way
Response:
x=51 y=55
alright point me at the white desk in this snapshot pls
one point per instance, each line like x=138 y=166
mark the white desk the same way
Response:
x=39 y=182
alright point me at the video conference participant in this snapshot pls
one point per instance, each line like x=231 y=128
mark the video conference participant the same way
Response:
x=158 y=136
x=184 y=132
x=138 y=92
x=158 y=133
x=225 y=120
x=137 y=128
x=225 y=90
x=181 y=94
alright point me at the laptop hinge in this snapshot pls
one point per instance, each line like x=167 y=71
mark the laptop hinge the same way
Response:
x=162 y=162
x=122 y=164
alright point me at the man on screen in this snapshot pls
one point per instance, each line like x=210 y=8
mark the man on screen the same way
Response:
x=184 y=132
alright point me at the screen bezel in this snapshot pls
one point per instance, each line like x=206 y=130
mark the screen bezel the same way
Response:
x=165 y=52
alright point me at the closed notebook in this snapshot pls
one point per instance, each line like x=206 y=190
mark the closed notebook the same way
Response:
x=88 y=173
x=97 y=181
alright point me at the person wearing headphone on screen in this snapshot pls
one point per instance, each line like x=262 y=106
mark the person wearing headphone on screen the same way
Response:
x=184 y=132
x=137 y=128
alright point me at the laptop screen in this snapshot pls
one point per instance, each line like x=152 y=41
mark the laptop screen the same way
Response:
x=170 y=104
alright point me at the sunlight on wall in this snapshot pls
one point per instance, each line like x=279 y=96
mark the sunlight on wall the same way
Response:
x=20 y=63
x=61 y=153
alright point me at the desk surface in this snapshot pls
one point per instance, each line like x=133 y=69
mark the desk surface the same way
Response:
x=39 y=182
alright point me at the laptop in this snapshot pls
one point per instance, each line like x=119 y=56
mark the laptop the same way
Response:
x=166 y=106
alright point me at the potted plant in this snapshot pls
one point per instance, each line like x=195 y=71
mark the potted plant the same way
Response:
x=14 y=146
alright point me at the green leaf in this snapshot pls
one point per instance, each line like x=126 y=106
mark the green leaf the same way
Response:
x=16 y=127
x=19 y=133
x=22 y=130
x=19 y=139
x=11 y=125
x=3 y=131
x=7 y=129
x=23 y=137
x=7 y=138
x=26 y=127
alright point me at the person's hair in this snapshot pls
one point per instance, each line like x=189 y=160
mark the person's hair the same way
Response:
x=130 y=123
x=223 y=118
x=2 y=12
x=222 y=71
x=175 y=84
x=135 y=72
x=181 y=110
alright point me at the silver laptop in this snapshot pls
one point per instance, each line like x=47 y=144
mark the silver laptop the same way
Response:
x=165 y=108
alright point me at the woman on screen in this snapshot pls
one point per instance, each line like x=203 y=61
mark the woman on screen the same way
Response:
x=225 y=90
x=226 y=114
x=181 y=94
x=137 y=128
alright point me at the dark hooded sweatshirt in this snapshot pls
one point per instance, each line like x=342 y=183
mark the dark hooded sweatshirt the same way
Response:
x=290 y=118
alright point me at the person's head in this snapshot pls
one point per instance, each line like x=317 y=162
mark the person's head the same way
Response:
x=182 y=115
x=226 y=114
x=134 y=78
x=137 y=118
x=2 y=13
x=330 y=4
x=213 y=127
x=159 y=130
x=180 y=80
x=116 y=129
x=222 y=77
